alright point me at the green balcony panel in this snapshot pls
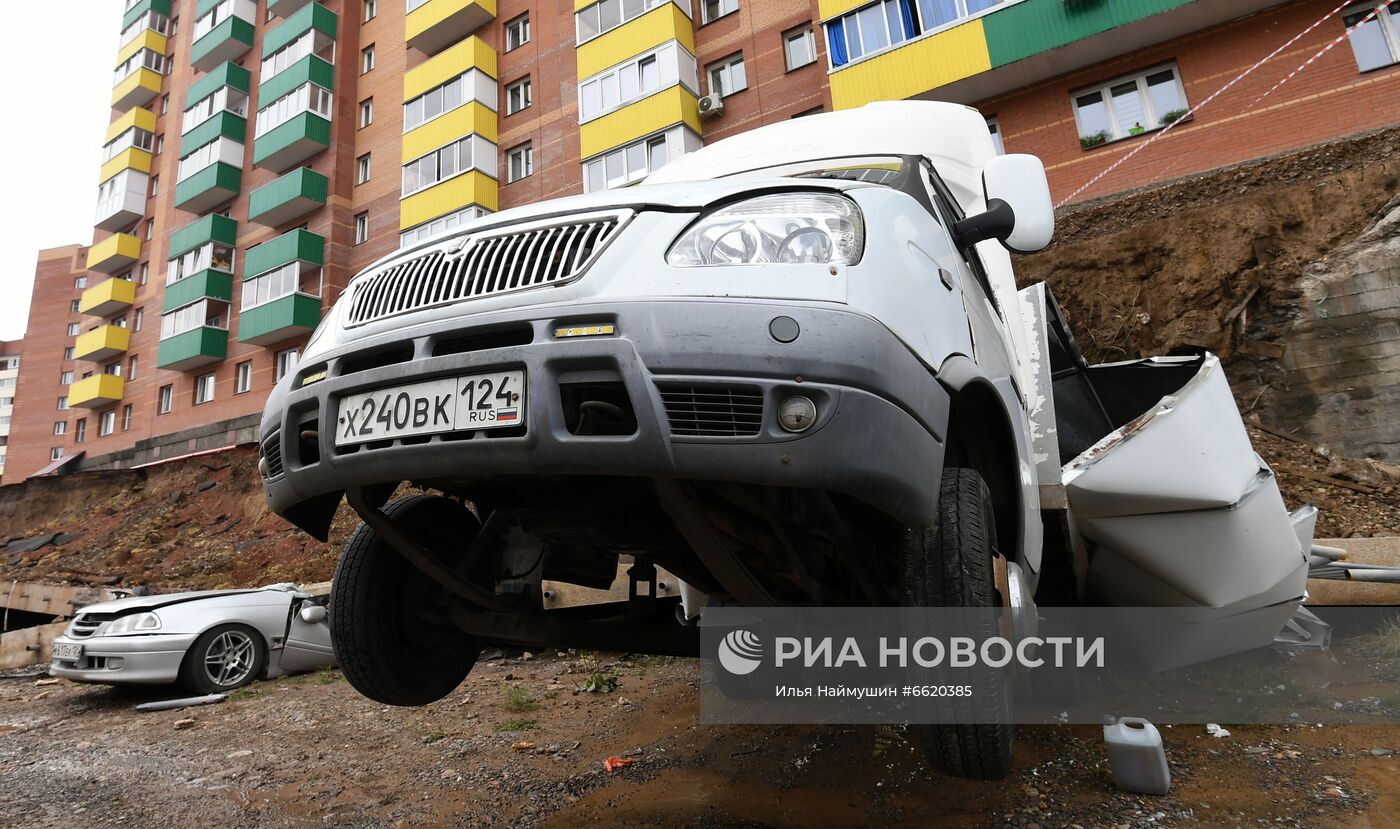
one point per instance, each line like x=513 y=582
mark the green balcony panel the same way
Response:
x=211 y=228
x=222 y=124
x=193 y=349
x=309 y=69
x=229 y=40
x=208 y=188
x=311 y=16
x=280 y=319
x=292 y=246
x=206 y=284
x=289 y=197
x=1028 y=28
x=225 y=74
x=292 y=143
x=136 y=12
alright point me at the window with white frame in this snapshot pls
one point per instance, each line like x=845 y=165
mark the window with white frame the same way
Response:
x=603 y=17
x=216 y=256
x=371 y=10
x=361 y=228
x=152 y=20
x=305 y=98
x=134 y=138
x=1129 y=106
x=887 y=23
x=287 y=362
x=715 y=9
x=65 y=378
x=63 y=403
x=520 y=162
x=727 y=76
x=994 y=127
x=221 y=149
x=636 y=79
x=74 y=306
x=126 y=418
x=203 y=388
x=438 y=165
x=56 y=453
x=440 y=225
x=362 y=169
x=68 y=353
x=107 y=423
x=167 y=396
x=143 y=59
x=80 y=430
x=518 y=32
x=517 y=96
x=471 y=85
x=223 y=99
x=243 y=377
x=74 y=329
x=138 y=319
x=310 y=42
x=133 y=363
x=223 y=10
x=629 y=164
x=800 y=47
x=1375 y=42
x=366 y=59
x=366 y=112
x=80 y=282
x=292 y=278
x=60 y=427
x=205 y=313
x=114 y=369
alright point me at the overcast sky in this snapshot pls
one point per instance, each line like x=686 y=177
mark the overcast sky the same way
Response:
x=59 y=64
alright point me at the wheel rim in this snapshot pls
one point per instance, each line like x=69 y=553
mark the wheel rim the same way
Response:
x=229 y=658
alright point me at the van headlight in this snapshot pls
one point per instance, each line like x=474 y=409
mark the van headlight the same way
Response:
x=786 y=228
x=135 y=623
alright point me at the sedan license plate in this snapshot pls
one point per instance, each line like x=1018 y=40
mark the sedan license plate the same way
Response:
x=476 y=401
x=63 y=650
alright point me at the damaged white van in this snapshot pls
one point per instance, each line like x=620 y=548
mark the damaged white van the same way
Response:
x=791 y=368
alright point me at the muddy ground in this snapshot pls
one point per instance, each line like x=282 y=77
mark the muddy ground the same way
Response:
x=514 y=746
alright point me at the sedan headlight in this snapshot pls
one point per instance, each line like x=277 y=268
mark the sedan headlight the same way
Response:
x=135 y=623
x=786 y=228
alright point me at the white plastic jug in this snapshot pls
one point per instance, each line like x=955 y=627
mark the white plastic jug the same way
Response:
x=1136 y=755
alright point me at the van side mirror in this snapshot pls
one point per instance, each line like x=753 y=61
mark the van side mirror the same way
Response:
x=1020 y=213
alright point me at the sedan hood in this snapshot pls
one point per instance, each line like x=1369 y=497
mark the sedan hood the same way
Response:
x=135 y=604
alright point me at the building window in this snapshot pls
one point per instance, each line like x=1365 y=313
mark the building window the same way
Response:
x=138 y=319
x=306 y=98
x=65 y=378
x=68 y=353
x=634 y=80
x=126 y=418
x=520 y=162
x=63 y=403
x=715 y=9
x=160 y=144
x=155 y=186
x=366 y=112
x=371 y=9
x=994 y=127
x=606 y=15
x=438 y=165
x=145 y=273
x=167 y=396
x=800 y=47
x=80 y=430
x=74 y=329
x=203 y=388
x=243 y=377
x=73 y=306
x=56 y=453
x=626 y=165
x=80 y=283
x=518 y=32
x=727 y=76
x=164 y=102
x=438 y=226
x=878 y=26
x=517 y=96
x=459 y=91
x=150 y=229
x=60 y=427
x=1129 y=106
x=107 y=423
x=367 y=59
x=1376 y=42
x=362 y=169
x=361 y=228
x=131 y=369
x=287 y=362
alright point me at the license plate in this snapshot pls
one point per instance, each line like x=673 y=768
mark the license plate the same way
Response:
x=63 y=650
x=476 y=401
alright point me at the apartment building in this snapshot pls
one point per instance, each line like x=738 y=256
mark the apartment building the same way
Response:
x=261 y=152
x=9 y=378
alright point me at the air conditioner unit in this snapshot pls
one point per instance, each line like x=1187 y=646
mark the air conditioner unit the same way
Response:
x=711 y=105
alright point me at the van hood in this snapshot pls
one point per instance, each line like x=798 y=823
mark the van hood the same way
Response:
x=141 y=604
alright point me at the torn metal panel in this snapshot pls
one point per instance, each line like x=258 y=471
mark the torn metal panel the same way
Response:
x=1213 y=557
x=1040 y=394
x=1188 y=452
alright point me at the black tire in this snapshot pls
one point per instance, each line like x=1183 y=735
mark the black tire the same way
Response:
x=389 y=623
x=200 y=677
x=949 y=564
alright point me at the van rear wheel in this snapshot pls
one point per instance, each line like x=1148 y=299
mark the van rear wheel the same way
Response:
x=389 y=622
x=949 y=564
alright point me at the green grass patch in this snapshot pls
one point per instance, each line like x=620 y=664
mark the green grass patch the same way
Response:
x=517 y=700
x=513 y=725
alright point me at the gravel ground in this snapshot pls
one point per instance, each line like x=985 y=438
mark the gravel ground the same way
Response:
x=516 y=746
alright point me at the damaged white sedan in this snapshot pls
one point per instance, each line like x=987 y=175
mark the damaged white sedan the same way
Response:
x=209 y=641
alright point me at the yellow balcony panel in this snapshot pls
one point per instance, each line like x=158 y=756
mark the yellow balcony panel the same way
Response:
x=472 y=187
x=102 y=343
x=96 y=391
x=914 y=68
x=673 y=105
x=140 y=88
x=663 y=23
x=471 y=53
x=437 y=24
x=132 y=158
x=149 y=39
x=108 y=297
x=827 y=9
x=114 y=253
x=444 y=129
x=139 y=118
